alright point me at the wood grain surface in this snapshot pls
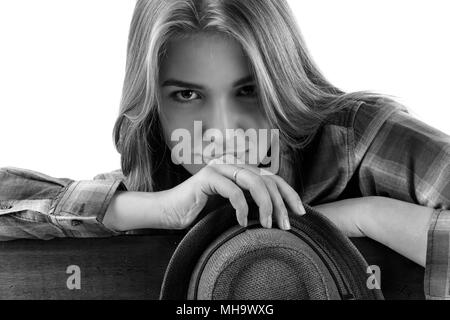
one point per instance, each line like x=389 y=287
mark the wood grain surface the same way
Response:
x=132 y=267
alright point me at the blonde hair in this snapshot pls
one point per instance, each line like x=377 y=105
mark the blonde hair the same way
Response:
x=296 y=97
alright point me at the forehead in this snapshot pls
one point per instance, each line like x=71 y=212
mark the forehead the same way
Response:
x=205 y=55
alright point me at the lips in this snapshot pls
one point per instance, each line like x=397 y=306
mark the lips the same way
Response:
x=236 y=154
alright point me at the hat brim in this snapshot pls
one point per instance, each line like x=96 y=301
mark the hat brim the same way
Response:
x=333 y=245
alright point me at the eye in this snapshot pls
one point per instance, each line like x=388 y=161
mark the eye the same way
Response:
x=248 y=91
x=185 y=96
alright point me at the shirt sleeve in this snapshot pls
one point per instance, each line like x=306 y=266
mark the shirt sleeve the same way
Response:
x=401 y=157
x=34 y=205
x=437 y=280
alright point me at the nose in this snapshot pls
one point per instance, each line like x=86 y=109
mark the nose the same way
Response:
x=223 y=115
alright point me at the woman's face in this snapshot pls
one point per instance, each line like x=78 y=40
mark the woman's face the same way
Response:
x=206 y=83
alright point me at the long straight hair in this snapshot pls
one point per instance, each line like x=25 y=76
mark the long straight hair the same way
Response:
x=296 y=97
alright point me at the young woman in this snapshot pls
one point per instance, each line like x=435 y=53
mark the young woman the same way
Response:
x=359 y=158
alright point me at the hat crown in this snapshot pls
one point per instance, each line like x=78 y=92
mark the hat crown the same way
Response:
x=218 y=259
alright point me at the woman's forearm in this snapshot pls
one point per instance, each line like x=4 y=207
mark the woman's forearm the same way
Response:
x=399 y=225
x=129 y=210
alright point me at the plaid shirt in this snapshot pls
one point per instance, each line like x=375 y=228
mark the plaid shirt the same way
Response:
x=370 y=149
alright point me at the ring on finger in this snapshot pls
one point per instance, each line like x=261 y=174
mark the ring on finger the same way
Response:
x=235 y=173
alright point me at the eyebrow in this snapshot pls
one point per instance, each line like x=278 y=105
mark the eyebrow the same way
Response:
x=184 y=84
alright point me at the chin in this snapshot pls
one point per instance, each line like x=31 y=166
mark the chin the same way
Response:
x=193 y=168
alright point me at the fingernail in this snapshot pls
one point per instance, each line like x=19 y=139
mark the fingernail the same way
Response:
x=241 y=219
x=301 y=208
x=269 y=222
x=286 y=224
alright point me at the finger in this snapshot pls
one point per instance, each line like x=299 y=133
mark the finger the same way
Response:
x=280 y=211
x=290 y=195
x=255 y=184
x=287 y=192
x=258 y=190
x=218 y=184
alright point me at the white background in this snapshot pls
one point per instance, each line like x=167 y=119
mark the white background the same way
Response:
x=62 y=66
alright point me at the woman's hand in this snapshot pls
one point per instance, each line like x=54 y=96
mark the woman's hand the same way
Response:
x=270 y=192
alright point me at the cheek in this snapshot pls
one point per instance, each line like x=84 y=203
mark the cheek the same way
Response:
x=255 y=116
x=178 y=129
x=259 y=121
x=170 y=122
